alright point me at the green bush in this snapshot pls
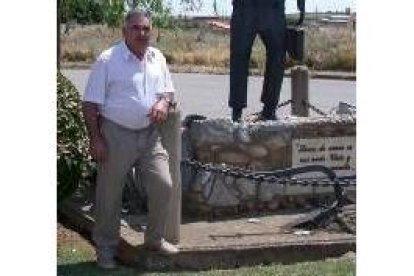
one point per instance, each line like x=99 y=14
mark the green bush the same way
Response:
x=81 y=11
x=74 y=166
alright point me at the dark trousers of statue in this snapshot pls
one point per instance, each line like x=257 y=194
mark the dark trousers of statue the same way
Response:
x=250 y=18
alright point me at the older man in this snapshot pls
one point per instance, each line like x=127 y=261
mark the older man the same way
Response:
x=127 y=96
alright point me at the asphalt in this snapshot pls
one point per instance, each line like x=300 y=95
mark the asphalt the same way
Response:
x=329 y=75
x=207 y=94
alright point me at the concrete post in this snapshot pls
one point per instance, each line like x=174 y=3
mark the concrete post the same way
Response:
x=171 y=139
x=300 y=90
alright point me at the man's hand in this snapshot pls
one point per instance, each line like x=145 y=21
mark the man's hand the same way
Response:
x=301 y=5
x=159 y=111
x=97 y=149
x=301 y=8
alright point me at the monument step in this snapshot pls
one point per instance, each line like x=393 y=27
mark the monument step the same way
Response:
x=221 y=244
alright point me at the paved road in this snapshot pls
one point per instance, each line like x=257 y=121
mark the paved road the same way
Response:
x=207 y=94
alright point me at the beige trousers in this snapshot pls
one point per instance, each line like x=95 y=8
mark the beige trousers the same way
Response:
x=127 y=148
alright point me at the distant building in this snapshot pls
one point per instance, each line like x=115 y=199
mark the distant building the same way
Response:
x=338 y=19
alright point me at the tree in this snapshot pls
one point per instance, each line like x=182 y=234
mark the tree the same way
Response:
x=160 y=13
x=81 y=11
x=113 y=12
x=192 y=5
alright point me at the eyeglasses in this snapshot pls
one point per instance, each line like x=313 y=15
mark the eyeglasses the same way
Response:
x=137 y=28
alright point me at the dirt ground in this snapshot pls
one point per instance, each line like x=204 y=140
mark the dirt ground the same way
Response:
x=66 y=236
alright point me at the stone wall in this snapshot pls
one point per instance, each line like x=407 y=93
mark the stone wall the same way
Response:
x=262 y=146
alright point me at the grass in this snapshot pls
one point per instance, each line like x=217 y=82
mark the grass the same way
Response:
x=75 y=256
x=328 y=48
x=331 y=48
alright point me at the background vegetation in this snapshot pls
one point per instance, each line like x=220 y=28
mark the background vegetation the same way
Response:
x=74 y=166
x=189 y=44
x=89 y=26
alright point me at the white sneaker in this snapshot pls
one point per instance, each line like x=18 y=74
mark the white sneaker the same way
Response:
x=162 y=246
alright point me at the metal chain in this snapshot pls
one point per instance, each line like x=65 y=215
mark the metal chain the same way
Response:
x=267 y=177
x=314 y=108
x=305 y=103
x=320 y=220
x=282 y=104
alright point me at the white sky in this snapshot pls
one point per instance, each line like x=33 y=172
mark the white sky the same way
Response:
x=224 y=6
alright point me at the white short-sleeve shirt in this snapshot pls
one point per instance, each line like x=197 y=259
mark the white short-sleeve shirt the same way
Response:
x=124 y=87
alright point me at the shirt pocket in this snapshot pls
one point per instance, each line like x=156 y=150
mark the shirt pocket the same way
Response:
x=155 y=79
x=122 y=81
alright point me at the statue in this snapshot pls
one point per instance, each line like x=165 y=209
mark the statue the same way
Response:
x=267 y=19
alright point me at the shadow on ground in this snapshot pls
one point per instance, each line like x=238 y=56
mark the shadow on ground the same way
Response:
x=90 y=269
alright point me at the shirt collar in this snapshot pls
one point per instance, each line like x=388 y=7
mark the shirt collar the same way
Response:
x=127 y=54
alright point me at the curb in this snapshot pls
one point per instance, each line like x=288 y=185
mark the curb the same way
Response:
x=329 y=75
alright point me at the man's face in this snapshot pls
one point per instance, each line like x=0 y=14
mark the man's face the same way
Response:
x=137 y=32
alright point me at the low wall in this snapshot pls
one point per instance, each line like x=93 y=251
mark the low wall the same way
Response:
x=264 y=146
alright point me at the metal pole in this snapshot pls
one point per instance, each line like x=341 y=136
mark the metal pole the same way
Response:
x=171 y=138
x=300 y=90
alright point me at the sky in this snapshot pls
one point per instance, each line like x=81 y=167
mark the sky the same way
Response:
x=224 y=6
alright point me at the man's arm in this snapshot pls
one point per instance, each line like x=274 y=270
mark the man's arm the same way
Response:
x=94 y=96
x=301 y=8
x=159 y=111
x=97 y=147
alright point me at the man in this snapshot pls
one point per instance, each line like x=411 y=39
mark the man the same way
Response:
x=249 y=18
x=127 y=96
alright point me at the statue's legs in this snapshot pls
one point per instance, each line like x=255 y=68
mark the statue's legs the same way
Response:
x=273 y=37
x=267 y=18
x=241 y=42
x=273 y=78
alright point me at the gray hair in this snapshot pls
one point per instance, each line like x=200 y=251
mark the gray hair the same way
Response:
x=136 y=12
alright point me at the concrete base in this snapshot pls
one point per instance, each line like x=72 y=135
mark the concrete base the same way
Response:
x=221 y=244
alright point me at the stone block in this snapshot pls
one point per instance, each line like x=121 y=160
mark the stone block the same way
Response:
x=201 y=180
x=277 y=141
x=242 y=134
x=187 y=150
x=256 y=151
x=246 y=188
x=267 y=190
x=298 y=190
x=250 y=206
x=221 y=195
x=278 y=157
x=233 y=158
x=194 y=197
x=323 y=190
x=204 y=155
x=188 y=175
x=208 y=185
x=273 y=205
x=209 y=132
x=257 y=165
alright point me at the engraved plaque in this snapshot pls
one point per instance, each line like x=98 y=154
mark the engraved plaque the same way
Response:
x=337 y=153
